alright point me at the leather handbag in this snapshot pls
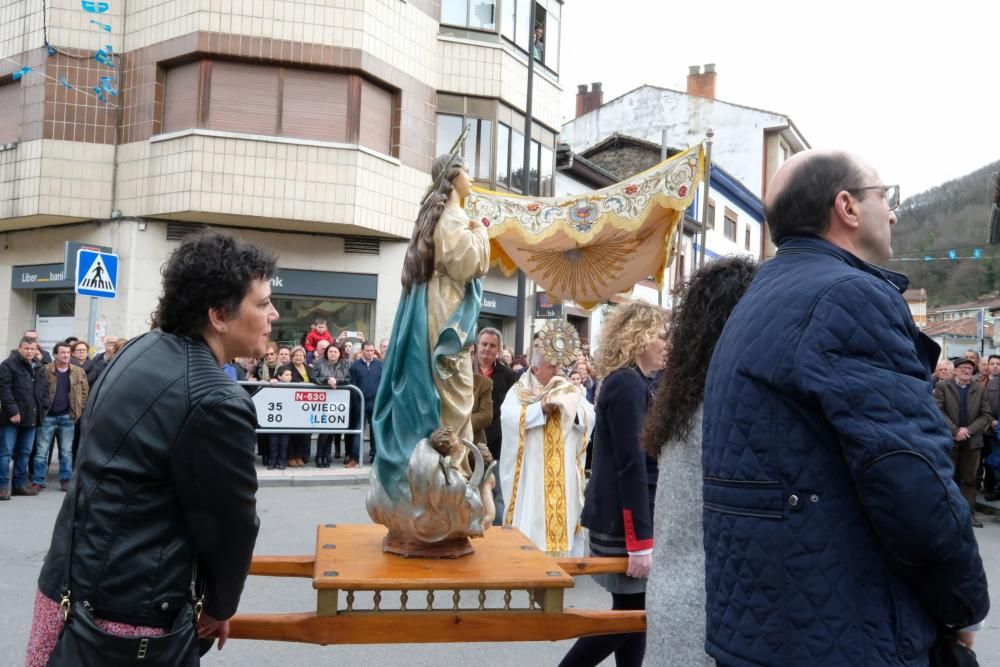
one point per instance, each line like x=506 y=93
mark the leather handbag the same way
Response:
x=81 y=643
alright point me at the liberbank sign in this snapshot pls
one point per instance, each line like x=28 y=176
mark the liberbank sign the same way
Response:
x=41 y=276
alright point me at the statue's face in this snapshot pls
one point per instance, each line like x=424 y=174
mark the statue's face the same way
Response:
x=462 y=183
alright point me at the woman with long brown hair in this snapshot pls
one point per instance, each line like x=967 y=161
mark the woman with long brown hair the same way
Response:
x=675 y=605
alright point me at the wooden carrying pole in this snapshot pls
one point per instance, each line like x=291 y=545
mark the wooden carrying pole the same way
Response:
x=434 y=625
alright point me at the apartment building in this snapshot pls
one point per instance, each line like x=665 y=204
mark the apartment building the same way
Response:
x=308 y=126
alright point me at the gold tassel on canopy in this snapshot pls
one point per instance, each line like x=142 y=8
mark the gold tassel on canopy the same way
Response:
x=591 y=246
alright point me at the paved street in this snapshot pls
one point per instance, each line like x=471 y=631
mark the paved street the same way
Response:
x=289 y=515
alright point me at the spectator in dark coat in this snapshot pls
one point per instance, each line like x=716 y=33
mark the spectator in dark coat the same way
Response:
x=331 y=371
x=299 y=446
x=80 y=354
x=488 y=346
x=366 y=373
x=24 y=399
x=42 y=355
x=834 y=532
x=966 y=409
x=990 y=442
x=99 y=362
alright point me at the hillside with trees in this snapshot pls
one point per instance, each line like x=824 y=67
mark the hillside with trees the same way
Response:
x=951 y=216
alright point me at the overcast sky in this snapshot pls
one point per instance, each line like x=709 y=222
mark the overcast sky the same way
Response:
x=913 y=87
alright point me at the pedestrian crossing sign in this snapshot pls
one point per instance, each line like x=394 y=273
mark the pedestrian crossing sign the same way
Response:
x=96 y=274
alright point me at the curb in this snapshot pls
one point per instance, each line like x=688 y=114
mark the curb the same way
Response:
x=357 y=477
x=986 y=507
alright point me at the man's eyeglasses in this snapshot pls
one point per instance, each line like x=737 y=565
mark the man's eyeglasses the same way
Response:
x=890 y=192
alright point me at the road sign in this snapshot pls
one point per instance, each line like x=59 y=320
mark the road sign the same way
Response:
x=96 y=274
x=305 y=409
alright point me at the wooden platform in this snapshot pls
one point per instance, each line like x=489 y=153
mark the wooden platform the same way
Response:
x=351 y=558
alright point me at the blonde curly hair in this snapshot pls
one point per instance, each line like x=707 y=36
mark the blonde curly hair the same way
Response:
x=630 y=330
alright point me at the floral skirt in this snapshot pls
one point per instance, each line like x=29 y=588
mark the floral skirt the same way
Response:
x=47 y=621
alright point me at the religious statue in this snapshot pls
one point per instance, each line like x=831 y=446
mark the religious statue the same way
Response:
x=423 y=486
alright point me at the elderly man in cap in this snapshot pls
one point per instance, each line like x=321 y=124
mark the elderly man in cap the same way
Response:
x=966 y=409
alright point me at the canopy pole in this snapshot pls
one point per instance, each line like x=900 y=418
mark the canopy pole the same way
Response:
x=663 y=156
x=707 y=176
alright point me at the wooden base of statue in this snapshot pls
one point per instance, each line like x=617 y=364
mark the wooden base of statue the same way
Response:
x=447 y=549
x=351 y=559
x=505 y=590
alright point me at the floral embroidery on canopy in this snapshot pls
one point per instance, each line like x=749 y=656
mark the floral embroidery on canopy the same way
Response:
x=590 y=247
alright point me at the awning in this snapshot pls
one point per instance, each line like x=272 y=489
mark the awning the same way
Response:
x=591 y=246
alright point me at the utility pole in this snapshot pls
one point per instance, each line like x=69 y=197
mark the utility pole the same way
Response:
x=522 y=292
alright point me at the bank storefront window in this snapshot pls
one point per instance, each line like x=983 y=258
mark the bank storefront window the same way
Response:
x=345 y=300
x=296 y=315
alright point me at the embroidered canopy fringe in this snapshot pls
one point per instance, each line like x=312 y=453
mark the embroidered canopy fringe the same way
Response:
x=589 y=247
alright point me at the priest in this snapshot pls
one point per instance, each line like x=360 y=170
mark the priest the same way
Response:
x=546 y=423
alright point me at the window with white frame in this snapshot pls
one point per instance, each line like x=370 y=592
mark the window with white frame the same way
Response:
x=731 y=224
x=534 y=26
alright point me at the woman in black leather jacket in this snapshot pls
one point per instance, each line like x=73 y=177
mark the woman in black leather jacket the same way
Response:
x=165 y=478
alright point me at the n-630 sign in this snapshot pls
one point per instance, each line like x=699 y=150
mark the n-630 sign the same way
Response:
x=295 y=408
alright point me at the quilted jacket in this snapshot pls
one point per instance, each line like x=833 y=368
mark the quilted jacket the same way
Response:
x=834 y=533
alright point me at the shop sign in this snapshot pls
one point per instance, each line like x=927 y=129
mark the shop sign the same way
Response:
x=71 y=249
x=546 y=308
x=326 y=284
x=40 y=276
x=498 y=304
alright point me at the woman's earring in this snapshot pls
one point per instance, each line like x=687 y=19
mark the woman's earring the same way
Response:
x=224 y=328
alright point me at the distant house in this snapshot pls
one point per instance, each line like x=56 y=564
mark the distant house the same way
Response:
x=750 y=143
x=916 y=299
x=958 y=311
x=955 y=336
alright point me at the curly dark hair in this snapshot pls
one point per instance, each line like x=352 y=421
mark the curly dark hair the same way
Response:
x=705 y=304
x=418 y=263
x=209 y=270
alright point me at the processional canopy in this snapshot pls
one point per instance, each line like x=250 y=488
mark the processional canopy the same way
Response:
x=590 y=247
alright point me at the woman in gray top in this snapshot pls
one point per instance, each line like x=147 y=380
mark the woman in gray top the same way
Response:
x=675 y=592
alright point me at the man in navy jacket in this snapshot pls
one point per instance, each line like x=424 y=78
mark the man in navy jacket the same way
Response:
x=366 y=373
x=834 y=532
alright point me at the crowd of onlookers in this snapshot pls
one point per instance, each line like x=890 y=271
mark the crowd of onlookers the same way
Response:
x=350 y=360
x=967 y=390
x=42 y=396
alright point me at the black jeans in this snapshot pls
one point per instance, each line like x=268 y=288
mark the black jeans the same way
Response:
x=323 y=443
x=371 y=433
x=989 y=475
x=629 y=648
